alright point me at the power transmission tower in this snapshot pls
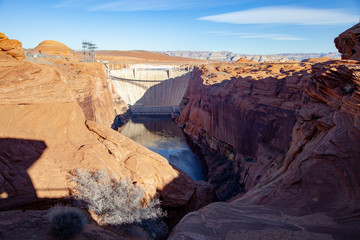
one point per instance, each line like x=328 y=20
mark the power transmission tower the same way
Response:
x=88 y=51
x=84 y=47
x=92 y=47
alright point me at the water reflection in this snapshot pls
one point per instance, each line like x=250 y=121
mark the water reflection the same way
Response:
x=164 y=137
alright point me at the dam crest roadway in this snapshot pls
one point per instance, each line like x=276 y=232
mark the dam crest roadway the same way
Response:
x=151 y=89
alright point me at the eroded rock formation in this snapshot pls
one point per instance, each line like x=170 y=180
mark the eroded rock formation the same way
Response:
x=10 y=48
x=348 y=43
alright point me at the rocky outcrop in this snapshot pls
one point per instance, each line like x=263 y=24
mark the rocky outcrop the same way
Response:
x=51 y=47
x=10 y=48
x=348 y=43
x=45 y=135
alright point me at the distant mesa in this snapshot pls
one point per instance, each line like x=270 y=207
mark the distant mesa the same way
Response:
x=233 y=57
x=244 y=60
x=51 y=47
x=319 y=59
x=10 y=48
x=348 y=43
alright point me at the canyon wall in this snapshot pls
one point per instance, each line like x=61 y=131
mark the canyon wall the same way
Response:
x=246 y=113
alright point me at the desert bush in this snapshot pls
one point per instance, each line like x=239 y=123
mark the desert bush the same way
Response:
x=115 y=202
x=66 y=222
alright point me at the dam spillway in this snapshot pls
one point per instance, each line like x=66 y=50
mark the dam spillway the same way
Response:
x=151 y=89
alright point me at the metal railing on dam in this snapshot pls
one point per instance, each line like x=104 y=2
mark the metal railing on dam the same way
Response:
x=151 y=89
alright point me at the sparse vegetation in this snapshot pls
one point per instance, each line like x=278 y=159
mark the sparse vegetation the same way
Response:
x=66 y=222
x=115 y=202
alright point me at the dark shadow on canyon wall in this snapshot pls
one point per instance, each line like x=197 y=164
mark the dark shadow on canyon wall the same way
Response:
x=16 y=157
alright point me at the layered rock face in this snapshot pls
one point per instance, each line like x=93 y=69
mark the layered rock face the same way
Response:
x=45 y=133
x=289 y=137
x=348 y=43
x=10 y=48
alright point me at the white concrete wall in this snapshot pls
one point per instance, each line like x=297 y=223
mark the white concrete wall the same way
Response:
x=151 y=87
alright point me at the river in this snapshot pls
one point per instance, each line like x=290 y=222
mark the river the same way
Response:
x=165 y=137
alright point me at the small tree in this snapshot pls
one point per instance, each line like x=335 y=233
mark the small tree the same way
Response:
x=115 y=202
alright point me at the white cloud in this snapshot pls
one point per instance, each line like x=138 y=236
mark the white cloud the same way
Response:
x=279 y=37
x=286 y=15
x=269 y=36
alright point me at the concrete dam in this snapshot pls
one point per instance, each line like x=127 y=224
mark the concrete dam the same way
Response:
x=151 y=89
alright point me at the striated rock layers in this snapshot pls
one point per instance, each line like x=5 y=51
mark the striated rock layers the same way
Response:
x=44 y=135
x=289 y=136
x=348 y=43
x=10 y=48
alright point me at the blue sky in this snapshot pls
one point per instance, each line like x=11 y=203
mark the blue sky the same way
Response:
x=248 y=26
